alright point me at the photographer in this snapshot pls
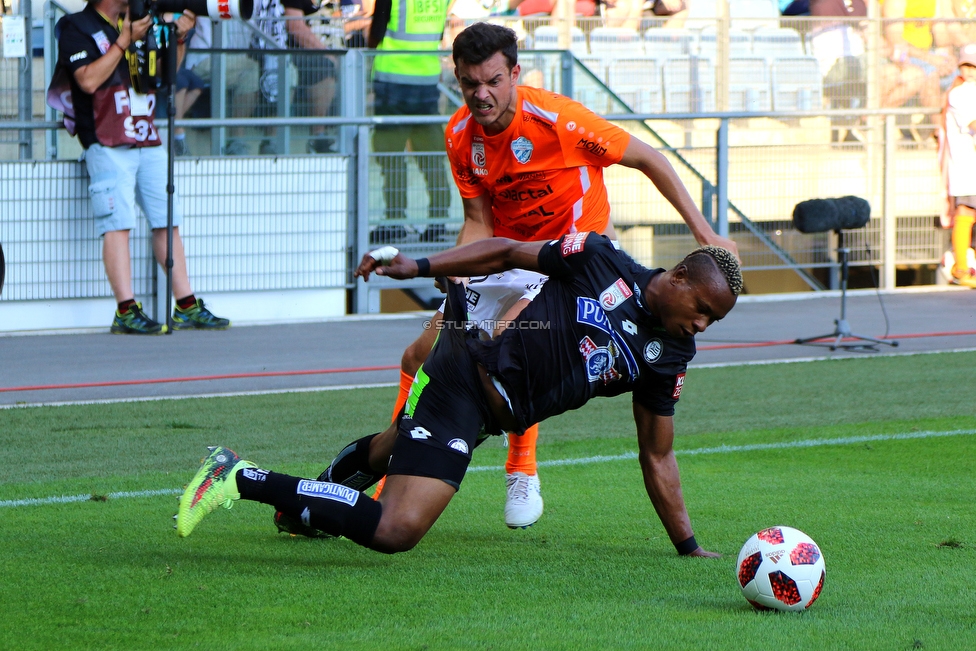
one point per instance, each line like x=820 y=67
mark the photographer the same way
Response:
x=108 y=64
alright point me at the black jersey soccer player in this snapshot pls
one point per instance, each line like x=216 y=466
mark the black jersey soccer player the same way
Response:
x=603 y=325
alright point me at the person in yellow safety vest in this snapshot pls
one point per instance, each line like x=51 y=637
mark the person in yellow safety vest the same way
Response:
x=406 y=84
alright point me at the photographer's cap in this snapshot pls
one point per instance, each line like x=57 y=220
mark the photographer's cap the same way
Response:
x=967 y=55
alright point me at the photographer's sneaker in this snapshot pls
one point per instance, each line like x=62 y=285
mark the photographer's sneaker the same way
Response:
x=523 y=508
x=197 y=316
x=135 y=322
x=215 y=484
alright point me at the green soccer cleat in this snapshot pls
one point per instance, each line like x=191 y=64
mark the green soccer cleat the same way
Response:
x=197 y=316
x=135 y=322
x=214 y=485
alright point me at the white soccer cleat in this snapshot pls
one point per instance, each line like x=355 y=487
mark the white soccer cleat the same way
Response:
x=523 y=507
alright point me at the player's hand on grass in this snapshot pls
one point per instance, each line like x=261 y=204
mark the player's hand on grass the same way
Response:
x=386 y=261
x=704 y=553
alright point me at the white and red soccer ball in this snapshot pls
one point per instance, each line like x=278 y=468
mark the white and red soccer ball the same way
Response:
x=780 y=568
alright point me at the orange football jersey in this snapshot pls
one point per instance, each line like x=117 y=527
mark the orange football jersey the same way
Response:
x=544 y=173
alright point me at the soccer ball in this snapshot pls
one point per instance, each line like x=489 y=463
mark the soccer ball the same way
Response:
x=780 y=568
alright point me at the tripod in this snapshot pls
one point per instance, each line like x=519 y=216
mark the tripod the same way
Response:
x=842 y=330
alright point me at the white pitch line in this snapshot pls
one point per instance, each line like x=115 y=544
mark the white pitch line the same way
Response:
x=721 y=449
x=67 y=499
x=724 y=449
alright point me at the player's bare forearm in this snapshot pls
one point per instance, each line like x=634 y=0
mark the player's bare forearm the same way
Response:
x=476 y=259
x=655 y=435
x=478 y=220
x=653 y=164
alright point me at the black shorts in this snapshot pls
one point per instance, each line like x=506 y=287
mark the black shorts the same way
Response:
x=445 y=413
x=313 y=68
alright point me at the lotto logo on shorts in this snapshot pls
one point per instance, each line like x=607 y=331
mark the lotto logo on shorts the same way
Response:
x=574 y=243
x=328 y=490
x=615 y=294
x=679 y=382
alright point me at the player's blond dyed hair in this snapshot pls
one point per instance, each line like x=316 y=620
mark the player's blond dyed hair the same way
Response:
x=726 y=262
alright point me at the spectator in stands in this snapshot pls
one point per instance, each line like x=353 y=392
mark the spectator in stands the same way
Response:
x=623 y=13
x=957 y=158
x=240 y=76
x=316 y=73
x=673 y=11
x=961 y=33
x=189 y=87
x=357 y=16
x=839 y=49
x=919 y=64
x=585 y=8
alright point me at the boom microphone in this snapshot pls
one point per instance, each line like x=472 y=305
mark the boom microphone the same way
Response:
x=819 y=215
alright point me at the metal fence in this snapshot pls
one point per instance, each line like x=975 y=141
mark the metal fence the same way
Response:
x=278 y=217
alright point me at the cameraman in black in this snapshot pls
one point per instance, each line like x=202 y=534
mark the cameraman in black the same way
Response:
x=108 y=69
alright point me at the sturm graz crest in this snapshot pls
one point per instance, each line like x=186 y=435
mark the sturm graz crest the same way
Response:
x=522 y=148
x=653 y=350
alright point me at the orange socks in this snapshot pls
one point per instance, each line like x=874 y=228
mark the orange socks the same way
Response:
x=406 y=381
x=521 y=452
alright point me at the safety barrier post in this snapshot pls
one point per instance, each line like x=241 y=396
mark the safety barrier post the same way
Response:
x=888 y=236
x=721 y=223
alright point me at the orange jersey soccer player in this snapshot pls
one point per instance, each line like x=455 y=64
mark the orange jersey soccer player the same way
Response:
x=529 y=166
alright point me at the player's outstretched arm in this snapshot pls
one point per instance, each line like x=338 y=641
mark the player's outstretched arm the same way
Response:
x=476 y=259
x=652 y=163
x=655 y=437
x=478 y=221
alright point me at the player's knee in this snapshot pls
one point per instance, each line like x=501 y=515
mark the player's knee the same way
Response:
x=397 y=534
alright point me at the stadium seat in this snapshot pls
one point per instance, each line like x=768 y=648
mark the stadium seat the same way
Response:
x=597 y=65
x=740 y=43
x=663 y=42
x=797 y=84
x=751 y=14
x=773 y=42
x=749 y=87
x=616 y=42
x=546 y=37
x=637 y=81
x=689 y=85
x=588 y=92
x=701 y=13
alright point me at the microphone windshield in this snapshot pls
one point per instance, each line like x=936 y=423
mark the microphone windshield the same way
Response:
x=820 y=215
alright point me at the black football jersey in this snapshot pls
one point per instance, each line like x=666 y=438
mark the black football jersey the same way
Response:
x=588 y=333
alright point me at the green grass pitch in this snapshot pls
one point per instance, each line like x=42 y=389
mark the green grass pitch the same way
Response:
x=890 y=500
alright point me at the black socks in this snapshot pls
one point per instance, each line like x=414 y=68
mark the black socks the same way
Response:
x=335 y=509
